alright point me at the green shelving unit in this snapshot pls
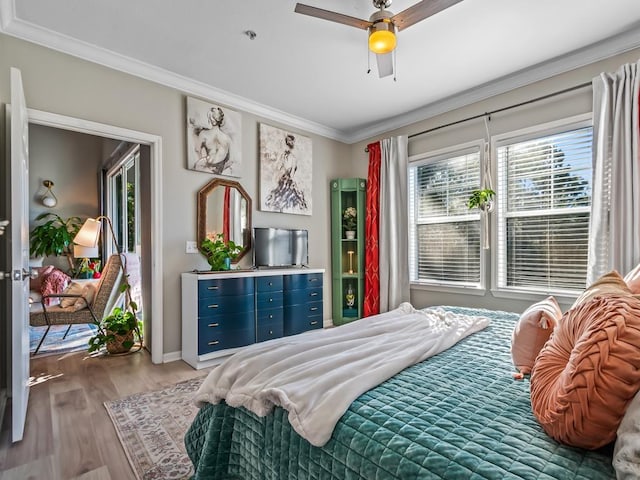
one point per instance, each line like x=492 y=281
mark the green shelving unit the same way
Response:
x=347 y=254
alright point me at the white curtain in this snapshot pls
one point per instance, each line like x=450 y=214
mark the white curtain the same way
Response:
x=393 y=242
x=614 y=229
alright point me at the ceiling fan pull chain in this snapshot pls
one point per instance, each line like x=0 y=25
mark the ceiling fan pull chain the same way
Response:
x=395 y=69
x=368 y=59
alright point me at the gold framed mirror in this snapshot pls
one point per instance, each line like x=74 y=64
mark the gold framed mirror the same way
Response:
x=225 y=207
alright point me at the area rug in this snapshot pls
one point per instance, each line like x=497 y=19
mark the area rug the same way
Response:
x=53 y=344
x=151 y=427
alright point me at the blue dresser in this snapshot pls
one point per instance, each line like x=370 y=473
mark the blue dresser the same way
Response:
x=224 y=311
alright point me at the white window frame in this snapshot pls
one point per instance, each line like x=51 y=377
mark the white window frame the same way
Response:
x=425 y=158
x=529 y=133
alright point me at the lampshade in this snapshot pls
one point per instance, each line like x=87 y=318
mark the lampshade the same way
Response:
x=89 y=234
x=382 y=41
x=80 y=251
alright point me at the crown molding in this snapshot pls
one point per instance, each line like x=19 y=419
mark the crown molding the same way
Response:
x=585 y=56
x=15 y=27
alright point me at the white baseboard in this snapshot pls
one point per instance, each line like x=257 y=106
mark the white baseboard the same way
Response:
x=171 y=357
x=327 y=323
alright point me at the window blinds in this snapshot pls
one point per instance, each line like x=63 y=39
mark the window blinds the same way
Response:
x=544 y=199
x=444 y=245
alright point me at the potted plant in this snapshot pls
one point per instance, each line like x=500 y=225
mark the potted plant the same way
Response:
x=54 y=236
x=349 y=222
x=220 y=253
x=482 y=199
x=119 y=331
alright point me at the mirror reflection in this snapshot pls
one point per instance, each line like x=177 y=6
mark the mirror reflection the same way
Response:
x=224 y=207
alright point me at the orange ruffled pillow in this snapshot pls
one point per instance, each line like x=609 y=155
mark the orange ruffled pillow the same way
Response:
x=632 y=279
x=589 y=371
x=532 y=331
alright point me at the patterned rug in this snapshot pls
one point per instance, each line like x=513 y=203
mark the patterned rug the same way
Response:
x=151 y=428
x=53 y=344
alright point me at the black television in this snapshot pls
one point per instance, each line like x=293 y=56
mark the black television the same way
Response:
x=280 y=248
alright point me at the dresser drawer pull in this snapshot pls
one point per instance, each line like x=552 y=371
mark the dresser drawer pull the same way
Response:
x=314 y=279
x=313 y=309
x=315 y=322
x=271 y=299
x=213 y=325
x=215 y=342
x=270 y=315
x=215 y=287
x=215 y=305
x=271 y=284
x=313 y=294
x=270 y=332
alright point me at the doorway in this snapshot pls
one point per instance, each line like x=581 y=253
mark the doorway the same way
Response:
x=149 y=229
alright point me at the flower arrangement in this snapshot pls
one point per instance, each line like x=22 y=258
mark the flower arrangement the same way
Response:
x=90 y=269
x=220 y=253
x=349 y=219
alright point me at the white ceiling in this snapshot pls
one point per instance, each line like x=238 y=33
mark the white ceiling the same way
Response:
x=312 y=73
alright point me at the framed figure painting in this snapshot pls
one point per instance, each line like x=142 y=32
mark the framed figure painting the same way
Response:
x=213 y=138
x=285 y=171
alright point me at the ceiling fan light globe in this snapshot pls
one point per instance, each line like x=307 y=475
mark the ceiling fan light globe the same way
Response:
x=382 y=41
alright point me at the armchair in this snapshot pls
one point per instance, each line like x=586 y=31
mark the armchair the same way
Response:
x=106 y=298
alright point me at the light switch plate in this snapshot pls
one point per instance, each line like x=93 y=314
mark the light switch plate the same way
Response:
x=192 y=247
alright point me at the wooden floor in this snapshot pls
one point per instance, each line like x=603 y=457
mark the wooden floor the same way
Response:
x=68 y=434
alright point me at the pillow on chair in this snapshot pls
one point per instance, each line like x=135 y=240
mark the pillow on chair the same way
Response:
x=532 y=331
x=74 y=288
x=35 y=284
x=54 y=282
x=85 y=289
x=589 y=371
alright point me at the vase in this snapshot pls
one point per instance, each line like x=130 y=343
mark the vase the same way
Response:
x=350 y=234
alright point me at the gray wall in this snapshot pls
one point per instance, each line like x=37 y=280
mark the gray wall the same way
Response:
x=62 y=84
x=559 y=107
x=71 y=160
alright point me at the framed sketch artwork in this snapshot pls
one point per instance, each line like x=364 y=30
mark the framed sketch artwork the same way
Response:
x=285 y=171
x=213 y=138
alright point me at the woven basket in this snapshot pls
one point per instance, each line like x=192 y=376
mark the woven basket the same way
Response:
x=116 y=346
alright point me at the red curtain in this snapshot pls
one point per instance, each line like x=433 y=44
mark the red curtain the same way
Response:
x=371 y=228
x=225 y=214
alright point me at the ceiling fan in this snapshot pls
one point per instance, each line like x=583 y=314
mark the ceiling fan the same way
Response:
x=382 y=25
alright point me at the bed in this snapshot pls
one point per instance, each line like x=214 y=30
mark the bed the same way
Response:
x=457 y=415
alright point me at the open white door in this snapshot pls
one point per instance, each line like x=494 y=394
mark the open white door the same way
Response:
x=19 y=256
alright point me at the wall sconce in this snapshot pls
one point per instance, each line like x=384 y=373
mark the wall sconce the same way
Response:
x=48 y=199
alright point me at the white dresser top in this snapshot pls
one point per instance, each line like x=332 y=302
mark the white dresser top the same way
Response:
x=266 y=272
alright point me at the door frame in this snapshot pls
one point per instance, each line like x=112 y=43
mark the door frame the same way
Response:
x=64 y=122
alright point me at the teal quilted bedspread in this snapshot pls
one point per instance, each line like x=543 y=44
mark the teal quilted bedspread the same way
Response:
x=458 y=415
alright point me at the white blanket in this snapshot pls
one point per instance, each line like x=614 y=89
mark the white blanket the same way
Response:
x=316 y=375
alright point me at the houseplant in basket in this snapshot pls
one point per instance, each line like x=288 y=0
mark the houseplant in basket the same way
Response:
x=219 y=253
x=121 y=330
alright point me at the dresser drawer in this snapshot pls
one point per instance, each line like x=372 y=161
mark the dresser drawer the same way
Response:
x=294 y=297
x=306 y=310
x=269 y=284
x=214 y=340
x=298 y=324
x=225 y=286
x=268 y=300
x=269 y=315
x=269 y=331
x=303 y=280
x=208 y=307
x=238 y=321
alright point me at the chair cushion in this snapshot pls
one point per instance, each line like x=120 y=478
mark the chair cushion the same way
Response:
x=588 y=372
x=532 y=331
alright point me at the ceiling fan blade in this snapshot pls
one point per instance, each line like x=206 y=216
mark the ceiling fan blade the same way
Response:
x=420 y=11
x=332 y=16
x=385 y=64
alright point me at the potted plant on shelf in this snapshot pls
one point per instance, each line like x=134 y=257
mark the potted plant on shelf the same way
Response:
x=349 y=222
x=481 y=199
x=54 y=237
x=220 y=253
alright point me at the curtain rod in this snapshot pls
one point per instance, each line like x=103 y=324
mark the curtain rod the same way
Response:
x=499 y=110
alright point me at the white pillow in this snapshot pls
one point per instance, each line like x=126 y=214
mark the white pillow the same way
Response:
x=74 y=288
x=626 y=453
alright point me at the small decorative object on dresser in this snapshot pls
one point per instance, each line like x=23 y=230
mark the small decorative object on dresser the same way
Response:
x=219 y=253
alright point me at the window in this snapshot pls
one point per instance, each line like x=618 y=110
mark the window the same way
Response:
x=544 y=199
x=444 y=235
